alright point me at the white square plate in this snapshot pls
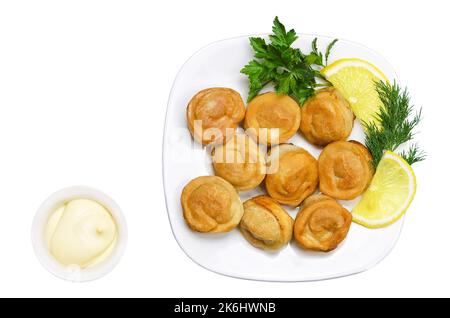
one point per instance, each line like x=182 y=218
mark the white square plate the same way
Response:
x=218 y=65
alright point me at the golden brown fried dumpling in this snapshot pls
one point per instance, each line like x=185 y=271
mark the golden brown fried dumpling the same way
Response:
x=272 y=118
x=321 y=224
x=211 y=204
x=266 y=224
x=326 y=117
x=212 y=111
x=292 y=174
x=345 y=169
x=240 y=162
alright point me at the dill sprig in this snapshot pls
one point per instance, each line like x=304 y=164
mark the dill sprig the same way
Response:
x=394 y=124
x=413 y=154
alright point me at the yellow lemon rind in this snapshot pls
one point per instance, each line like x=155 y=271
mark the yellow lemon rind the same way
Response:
x=336 y=66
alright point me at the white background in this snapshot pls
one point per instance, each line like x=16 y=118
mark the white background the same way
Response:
x=83 y=92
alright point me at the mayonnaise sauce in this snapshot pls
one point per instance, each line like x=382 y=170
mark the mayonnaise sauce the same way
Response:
x=81 y=233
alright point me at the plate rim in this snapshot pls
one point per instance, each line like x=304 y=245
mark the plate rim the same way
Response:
x=262 y=279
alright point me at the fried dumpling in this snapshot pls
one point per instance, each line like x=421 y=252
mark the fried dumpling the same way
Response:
x=211 y=204
x=266 y=224
x=272 y=118
x=214 y=113
x=326 y=117
x=321 y=224
x=292 y=174
x=240 y=162
x=345 y=169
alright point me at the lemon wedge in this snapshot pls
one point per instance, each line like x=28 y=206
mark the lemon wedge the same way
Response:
x=355 y=79
x=389 y=194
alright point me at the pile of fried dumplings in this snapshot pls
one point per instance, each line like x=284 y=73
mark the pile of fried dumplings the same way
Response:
x=289 y=175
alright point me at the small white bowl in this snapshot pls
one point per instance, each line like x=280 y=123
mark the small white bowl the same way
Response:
x=75 y=273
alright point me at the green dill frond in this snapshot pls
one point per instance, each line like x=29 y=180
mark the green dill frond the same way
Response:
x=396 y=124
x=413 y=154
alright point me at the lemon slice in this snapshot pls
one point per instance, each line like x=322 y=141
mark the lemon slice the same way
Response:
x=355 y=79
x=389 y=194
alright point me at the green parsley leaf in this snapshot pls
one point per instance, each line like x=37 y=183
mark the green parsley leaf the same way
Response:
x=280 y=38
x=290 y=70
x=328 y=50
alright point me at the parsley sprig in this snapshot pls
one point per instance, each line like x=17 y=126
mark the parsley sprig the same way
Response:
x=290 y=70
x=396 y=124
